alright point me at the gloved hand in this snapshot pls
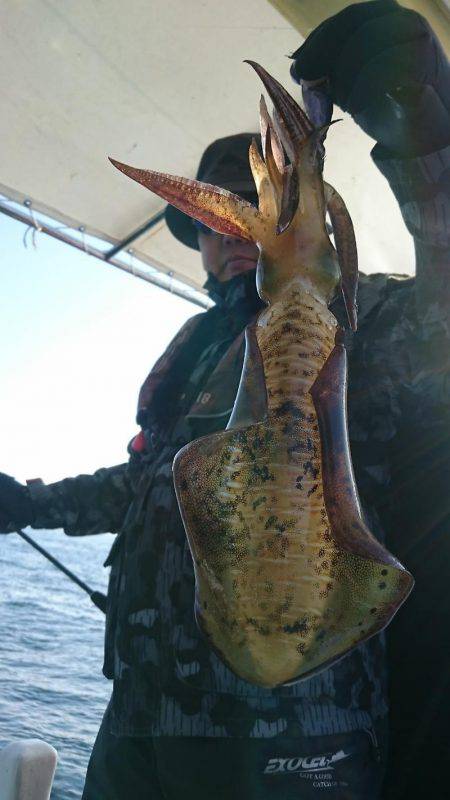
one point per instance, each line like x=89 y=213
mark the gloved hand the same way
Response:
x=385 y=66
x=16 y=509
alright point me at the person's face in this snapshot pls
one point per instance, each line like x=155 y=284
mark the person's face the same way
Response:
x=226 y=256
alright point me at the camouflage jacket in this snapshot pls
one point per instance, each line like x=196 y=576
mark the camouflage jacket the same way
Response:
x=166 y=680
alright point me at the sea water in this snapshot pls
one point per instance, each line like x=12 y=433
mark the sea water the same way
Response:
x=51 y=649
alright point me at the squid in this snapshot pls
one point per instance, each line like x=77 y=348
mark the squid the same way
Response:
x=288 y=576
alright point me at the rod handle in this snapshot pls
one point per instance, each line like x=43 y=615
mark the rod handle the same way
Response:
x=99 y=599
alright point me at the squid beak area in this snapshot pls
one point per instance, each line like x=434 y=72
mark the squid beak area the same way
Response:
x=222 y=211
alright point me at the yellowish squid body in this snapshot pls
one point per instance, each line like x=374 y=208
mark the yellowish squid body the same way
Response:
x=288 y=577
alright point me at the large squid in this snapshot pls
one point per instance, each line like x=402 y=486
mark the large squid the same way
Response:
x=288 y=577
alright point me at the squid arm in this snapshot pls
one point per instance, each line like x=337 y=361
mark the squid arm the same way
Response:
x=223 y=211
x=344 y=237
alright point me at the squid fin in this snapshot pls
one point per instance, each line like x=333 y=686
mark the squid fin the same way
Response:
x=329 y=393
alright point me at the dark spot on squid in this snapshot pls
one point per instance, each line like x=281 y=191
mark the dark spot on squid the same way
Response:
x=262 y=473
x=284 y=607
x=288 y=407
x=299 y=626
x=309 y=467
x=382 y=585
x=258 y=502
x=384 y=572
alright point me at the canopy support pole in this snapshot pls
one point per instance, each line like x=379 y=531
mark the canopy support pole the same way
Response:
x=101 y=256
x=134 y=235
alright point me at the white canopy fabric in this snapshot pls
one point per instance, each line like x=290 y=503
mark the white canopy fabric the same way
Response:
x=152 y=84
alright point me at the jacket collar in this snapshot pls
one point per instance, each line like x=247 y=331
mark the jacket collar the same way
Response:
x=237 y=298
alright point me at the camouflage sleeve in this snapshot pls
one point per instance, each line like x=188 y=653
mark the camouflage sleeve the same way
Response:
x=422 y=188
x=83 y=505
x=421 y=450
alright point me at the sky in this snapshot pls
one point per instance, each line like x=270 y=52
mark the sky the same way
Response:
x=77 y=340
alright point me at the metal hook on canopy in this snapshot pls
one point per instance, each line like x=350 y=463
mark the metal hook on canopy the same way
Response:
x=130 y=252
x=34 y=226
x=170 y=274
x=82 y=230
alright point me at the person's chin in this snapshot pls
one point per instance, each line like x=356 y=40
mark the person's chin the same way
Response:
x=237 y=267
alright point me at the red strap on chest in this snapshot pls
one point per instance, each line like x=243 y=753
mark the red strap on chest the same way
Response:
x=138 y=444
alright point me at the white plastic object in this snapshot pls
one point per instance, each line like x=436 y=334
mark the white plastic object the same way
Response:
x=27 y=768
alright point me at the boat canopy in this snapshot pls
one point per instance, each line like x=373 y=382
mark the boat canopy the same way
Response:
x=152 y=84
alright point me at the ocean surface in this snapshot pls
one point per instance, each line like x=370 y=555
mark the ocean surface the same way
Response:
x=51 y=649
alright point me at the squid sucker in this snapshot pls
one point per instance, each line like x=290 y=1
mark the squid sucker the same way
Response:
x=288 y=576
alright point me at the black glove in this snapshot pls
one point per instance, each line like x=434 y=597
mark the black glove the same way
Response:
x=16 y=510
x=385 y=66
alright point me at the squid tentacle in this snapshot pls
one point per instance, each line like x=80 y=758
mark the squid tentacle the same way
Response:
x=223 y=211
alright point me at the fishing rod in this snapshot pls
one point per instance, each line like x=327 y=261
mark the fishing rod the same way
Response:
x=98 y=598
